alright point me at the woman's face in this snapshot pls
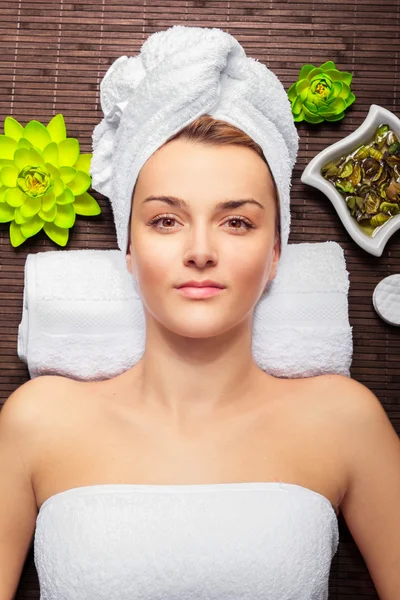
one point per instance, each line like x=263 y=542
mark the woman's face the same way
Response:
x=202 y=241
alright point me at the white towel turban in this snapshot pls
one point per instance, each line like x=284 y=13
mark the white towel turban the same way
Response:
x=180 y=74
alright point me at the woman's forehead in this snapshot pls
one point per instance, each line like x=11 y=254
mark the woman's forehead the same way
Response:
x=218 y=171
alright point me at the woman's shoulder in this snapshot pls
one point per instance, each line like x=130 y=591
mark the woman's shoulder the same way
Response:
x=29 y=413
x=340 y=402
x=34 y=404
x=32 y=394
x=348 y=405
x=349 y=397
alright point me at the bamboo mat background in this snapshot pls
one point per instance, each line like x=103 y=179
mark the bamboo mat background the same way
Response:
x=53 y=56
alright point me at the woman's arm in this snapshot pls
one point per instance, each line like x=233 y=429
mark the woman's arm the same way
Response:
x=18 y=508
x=371 y=506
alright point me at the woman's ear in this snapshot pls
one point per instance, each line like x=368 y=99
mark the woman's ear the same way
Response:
x=277 y=255
x=128 y=263
x=128 y=256
x=274 y=266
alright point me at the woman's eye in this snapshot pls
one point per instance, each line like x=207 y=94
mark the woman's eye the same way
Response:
x=154 y=222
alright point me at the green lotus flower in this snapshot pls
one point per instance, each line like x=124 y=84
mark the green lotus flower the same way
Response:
x=320 y=93
x=43 y=180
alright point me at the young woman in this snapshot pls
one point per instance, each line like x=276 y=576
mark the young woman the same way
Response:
x=195 y=455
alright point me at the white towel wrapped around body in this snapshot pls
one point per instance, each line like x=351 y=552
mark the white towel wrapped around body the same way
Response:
x=268 y=540
x=83 y=318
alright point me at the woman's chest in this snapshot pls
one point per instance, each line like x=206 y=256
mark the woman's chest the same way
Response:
x=91 y=443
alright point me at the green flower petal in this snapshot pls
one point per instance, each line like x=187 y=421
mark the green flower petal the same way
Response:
x=67 y=174
x=330 y=101
x=80 y=183
x=301 y=85
x=350 y=99
x=309 y=106
x=58 y=186
x=86 y=205
x=304 y=94
x=19 y=219
x=83 y=162
x=56 y=128
x=326 y=110
x=24 y=143
x=310 y=96
x=335 y=117
x=32 y=227
x=36 y=158
x=49 y=215
x=15 y=197
x=338 y=105
x=68 y=152
x=345 y=91
x=5 y=161
x=37 y=133
x=336 y=89
x=16 y=237
x=345 y=77
x=318 y=101
x=311 y=117
x=65 y=216
x=8 y=176
x=67 y=197
x=296 y=108
x=300 y=117
x=50 y=153
x=13 y=129
x=31 y=208
x=6 y=212
x=314 y=73
x=7 y=147
x=329 y=64
x=54 y=172
x=333 y=74
x=57 y=234
x=48 y=201
x=21 y=158
x=305 y=70
x=3 y=190
x=291 y=93
x=313 y=85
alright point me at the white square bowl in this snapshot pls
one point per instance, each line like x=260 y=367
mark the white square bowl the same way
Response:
x=311 y=175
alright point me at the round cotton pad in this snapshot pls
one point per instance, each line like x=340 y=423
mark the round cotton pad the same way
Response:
x=386 y=299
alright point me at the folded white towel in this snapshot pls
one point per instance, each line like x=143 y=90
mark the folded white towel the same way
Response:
x=180 y=74
x=83 y=318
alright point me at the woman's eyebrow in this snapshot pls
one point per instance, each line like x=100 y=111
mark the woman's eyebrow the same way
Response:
x=180 y=203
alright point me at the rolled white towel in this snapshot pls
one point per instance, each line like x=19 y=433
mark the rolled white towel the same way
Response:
x=83 y=318
x=180 y=74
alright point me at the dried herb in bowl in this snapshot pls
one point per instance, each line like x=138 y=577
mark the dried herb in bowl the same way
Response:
x=368 y=178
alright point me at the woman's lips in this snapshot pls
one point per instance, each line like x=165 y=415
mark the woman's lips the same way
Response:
x=199 y=292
